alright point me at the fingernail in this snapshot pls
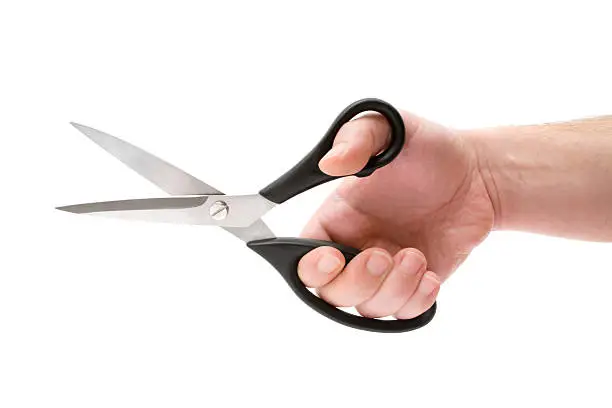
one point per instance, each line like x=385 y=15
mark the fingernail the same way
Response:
x=412 y=265
x=337 y=150
x=328 y=264
x=378 y=263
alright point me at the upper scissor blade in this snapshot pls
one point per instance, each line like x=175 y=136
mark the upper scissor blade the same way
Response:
x=169 y=178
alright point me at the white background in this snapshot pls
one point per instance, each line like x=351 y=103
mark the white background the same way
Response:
x=103 y=313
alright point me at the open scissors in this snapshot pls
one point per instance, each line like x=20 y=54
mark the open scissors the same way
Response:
x=195 y=202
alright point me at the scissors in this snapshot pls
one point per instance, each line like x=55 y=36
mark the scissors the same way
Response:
x=192 y=201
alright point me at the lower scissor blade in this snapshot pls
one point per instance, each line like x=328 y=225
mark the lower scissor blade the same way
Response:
x=177 y=210
x=218 y=210
x=165 y=203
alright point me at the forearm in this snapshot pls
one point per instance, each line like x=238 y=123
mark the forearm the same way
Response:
x=553 y=179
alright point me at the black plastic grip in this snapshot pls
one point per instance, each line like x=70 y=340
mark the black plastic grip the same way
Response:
x=285 y=253
x=306 y=173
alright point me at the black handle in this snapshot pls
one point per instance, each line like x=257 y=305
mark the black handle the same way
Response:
x=306 y=173
x=285 y=253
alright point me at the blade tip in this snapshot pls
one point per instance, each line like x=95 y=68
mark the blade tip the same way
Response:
x=67 y=208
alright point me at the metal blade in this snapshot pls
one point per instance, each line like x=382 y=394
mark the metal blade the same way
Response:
x=238 y=211
x=173 y=181
x=164 y=203
x=177 y=210
x=169 y=178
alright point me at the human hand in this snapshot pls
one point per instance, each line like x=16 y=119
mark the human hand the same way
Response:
x=415 y=220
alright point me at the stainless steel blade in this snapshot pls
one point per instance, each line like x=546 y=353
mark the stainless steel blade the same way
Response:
x=169 y=178
x=177 y=210
x=239 y=211
x=173 y=181
x=139 y=204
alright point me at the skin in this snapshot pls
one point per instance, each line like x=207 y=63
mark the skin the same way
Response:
x=417 y=219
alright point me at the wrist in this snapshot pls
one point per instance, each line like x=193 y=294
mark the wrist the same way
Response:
x=488 y=168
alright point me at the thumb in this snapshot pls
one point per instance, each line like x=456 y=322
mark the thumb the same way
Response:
x=355 y=143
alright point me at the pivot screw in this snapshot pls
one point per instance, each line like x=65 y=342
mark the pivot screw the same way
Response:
x=218 y=210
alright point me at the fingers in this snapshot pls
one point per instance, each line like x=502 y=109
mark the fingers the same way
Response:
x=409 y=267
x=375 y=282
x=355 y=143
x=422 y=299
x=359 y=280
x=320 y=266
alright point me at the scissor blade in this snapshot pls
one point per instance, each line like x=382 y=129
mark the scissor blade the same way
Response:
x=159 y=172
x=177 y=210
x=242 y=211
x=182 y=210
x=164 y=203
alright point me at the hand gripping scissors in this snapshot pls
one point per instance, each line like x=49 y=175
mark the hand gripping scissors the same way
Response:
x=195 y=202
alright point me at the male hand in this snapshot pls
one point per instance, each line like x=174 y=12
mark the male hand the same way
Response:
x=415 y=220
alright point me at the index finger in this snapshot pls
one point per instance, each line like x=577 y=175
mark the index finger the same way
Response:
x=321 y=265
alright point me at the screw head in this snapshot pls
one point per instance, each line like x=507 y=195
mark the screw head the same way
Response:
x=218 y=210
